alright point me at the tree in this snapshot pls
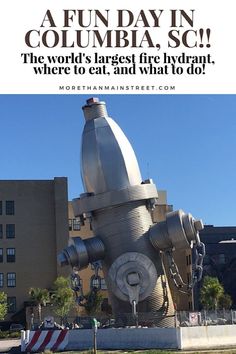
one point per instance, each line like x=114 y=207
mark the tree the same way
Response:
x=211 y=292
x=40 y=297
x=62 y=298
x=93 y=301
x=225 y=302
x=3 y=305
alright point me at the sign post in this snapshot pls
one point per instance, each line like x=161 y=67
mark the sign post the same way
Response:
x=95 y=328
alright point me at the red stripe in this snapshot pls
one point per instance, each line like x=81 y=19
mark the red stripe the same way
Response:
x=45 y=341
x=33 y=340
x=59 y=339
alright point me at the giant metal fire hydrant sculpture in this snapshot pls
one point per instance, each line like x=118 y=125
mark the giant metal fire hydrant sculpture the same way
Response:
x=118 y=204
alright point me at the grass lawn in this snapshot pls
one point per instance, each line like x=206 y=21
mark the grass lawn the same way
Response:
x=151 y=351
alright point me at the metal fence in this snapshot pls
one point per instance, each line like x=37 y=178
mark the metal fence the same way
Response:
x=152 y=319
x=180 y=319
x=205 y=318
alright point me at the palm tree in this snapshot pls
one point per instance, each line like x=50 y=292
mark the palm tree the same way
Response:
x=211 y=292
x=3 y=305
x=40 y=297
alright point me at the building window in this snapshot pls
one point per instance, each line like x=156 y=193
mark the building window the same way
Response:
x=0 y=207
x=10 y=207
x=95 y=282
x=11 y=304
x=189 y=277
x=76 y=224
x=1 y=280
x=189 y=259
x=1 y=255
x=1 y=231
x=11 y=280
x=70 y=224
x=103 y=284
x=76 y=282
x=11 y=255
x=10 y=230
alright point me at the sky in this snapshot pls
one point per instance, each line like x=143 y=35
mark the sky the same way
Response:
x=185 y=143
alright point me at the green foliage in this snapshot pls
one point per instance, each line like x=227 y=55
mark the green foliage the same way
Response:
x=3 y=334
x=14 y=334
x=225 y=302
x=211 y=292
x=62 y=282
x=3 y=305
x=92 y=302
x=40 y=297
x=7 y=334
x=62 y=297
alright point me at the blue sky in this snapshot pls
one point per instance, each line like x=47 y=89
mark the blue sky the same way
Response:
x=186 y=143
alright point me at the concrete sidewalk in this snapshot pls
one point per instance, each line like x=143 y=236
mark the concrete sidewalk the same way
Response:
x=10 y=346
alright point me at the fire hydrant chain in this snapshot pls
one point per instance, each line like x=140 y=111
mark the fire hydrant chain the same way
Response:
x=199 y=253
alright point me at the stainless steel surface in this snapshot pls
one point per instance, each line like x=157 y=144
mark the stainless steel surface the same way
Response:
x=80 y=252
x=177 y=232
x=105 y=147
x=94 y=108
x=132 y=269
x=118 y=203
x=95 y=249
x=189 y=228
x=159 y=237
x=198 y=224
x=107 y=199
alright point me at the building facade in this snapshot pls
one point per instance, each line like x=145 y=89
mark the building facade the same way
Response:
x=33 y=229
x=220 y=259
x=36 y=221
x=84 y=230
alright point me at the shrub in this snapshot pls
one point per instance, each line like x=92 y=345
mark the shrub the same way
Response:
x=14 y=334
x=3 y=334
x=7 y=334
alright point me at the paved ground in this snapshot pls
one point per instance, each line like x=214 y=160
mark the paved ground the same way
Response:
x=10 y=346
